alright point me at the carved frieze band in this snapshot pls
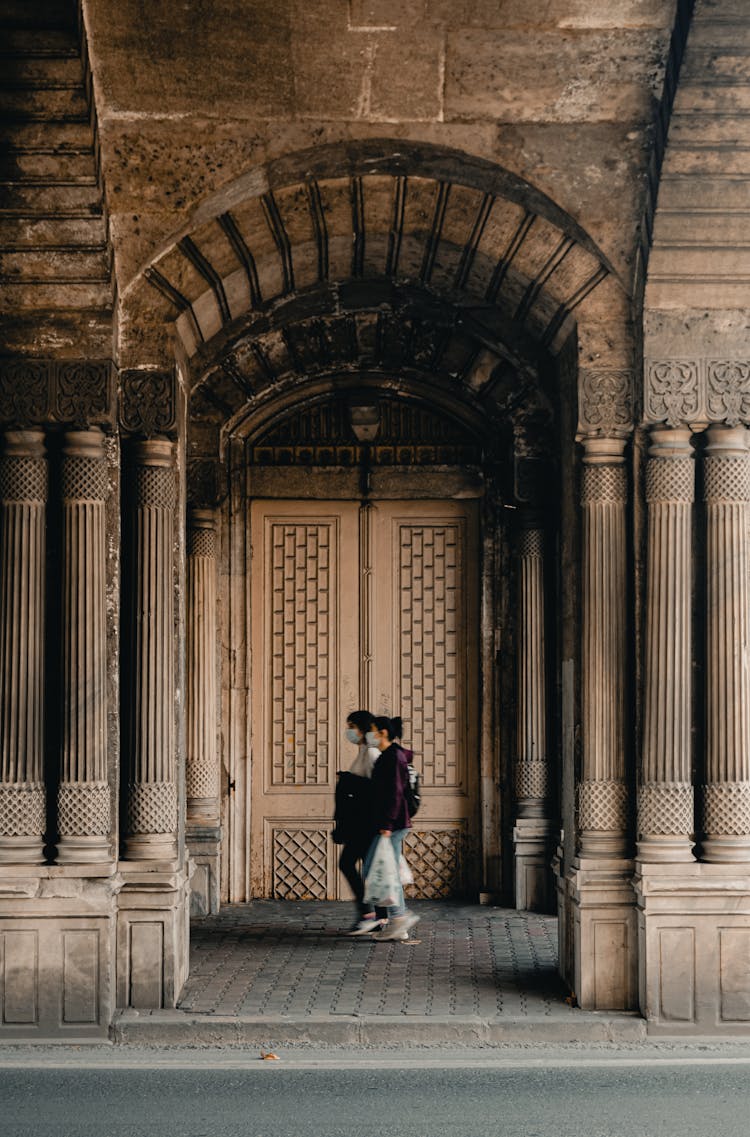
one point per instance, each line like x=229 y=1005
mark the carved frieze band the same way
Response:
x=603 y=484
x=22 y=810
x=726 y=809
x=152 y=807
x=680 y=391
x=603 y=806
x=532 y=779
x=73 y=391
x=665 y=808
x=148 y=402
x=605 y=400
x=83 y=810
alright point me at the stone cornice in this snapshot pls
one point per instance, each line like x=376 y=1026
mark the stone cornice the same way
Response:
x=697 y=391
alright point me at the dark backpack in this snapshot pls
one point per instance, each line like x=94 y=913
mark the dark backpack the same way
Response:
x=413 y=787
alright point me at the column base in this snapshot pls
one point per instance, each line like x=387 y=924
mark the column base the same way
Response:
x=22 y=850
x=83 y=850
x=607 y=843
x=694 y=948
x=665 y=849
x=57 y=939
x=604 y=934
x=532 y=840
x=153 y=934
x=151 y=847
x=723 y=850
x=204 y=845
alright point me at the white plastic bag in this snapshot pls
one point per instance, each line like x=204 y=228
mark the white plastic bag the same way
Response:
x=405 y=874
x=382 y=884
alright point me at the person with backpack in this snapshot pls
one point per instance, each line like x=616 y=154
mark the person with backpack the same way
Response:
x=353 y=825
x=391 y=790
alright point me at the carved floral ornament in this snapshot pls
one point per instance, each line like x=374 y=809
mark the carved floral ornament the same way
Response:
x=683 y=392
x=77 y=392
x=148 y=401
x=605 y=401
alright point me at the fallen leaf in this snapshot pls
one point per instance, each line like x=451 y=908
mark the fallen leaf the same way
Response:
x=269 y=1056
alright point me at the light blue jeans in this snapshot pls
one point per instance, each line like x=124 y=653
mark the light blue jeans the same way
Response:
x=397 y=841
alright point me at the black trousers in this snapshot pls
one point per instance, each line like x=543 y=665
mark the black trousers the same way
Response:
x=350 y=861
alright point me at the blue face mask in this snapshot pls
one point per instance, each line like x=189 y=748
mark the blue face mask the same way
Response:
x=371 y=738
x=352 y=735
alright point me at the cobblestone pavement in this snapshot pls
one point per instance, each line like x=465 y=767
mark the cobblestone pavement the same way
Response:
x=290 y=958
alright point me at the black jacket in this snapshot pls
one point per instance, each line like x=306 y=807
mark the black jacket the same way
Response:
x=353 y=813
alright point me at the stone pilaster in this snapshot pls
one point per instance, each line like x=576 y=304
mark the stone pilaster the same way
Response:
x=151 y=817
x=665 y=792
x=531 y=833
x=726 y=793
x=23 y=500
x=83 y=803
x=202 y=774
x=602 y=794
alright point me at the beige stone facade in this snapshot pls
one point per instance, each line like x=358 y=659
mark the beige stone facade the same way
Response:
x=387 y=354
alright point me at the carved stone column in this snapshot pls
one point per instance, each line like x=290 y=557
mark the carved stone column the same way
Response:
x=665 y=792
x=726 y=794
x=202 y=775
x=151 y=820
x=23 y=499
x=603 y=794
x=84 y=821
x=531 y=834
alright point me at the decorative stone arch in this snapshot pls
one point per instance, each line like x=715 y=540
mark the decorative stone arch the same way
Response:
x=443 y=277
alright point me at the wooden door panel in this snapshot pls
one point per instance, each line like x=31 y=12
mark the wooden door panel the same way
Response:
x=304 y=619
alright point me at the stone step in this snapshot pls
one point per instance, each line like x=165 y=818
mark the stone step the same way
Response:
x=38 y=13
x=40 y=72
x=49 y=199
x=54 y=265
x=52 y=232
x=20 y=103
x=41 y=135
x=43 y=295
x=76 y=166
x=38 y=43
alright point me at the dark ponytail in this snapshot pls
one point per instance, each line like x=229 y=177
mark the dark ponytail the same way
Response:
x=393 y=726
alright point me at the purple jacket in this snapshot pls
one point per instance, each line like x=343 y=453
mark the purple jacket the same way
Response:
x=390 y=776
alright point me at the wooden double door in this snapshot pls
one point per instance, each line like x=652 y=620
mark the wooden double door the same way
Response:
x=361 y=606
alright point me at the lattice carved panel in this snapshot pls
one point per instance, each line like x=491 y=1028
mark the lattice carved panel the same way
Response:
x=302 y=640
x=435 y=857
x=429 y=597
x=300 y=864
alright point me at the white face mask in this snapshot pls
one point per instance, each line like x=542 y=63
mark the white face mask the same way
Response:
x=371 y=738
x=352 y=735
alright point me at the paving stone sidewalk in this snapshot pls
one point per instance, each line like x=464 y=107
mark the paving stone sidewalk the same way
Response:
x=290 y=959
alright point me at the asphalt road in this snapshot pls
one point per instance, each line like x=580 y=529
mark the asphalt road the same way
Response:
x=656 y=1099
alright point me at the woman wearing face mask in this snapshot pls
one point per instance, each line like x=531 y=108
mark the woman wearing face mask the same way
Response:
x=390 y=777
x=353 y=820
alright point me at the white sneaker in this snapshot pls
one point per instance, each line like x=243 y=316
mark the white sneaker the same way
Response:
x=398 y=928
x=367 y=927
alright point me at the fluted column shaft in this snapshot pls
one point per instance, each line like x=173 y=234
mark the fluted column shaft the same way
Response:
x=532 y=767
x=151 y=821
x=665 y=791
x=602 y=794
x=202 y=754
x=726 y=794
x=83 y=804
x=23 y=501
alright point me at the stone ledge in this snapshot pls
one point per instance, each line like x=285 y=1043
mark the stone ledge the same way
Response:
x=168 y=1028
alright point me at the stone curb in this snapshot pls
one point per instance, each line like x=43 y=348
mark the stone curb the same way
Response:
x=177 y=1028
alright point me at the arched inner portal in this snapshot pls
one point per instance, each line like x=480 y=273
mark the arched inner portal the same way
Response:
x=370 y=539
